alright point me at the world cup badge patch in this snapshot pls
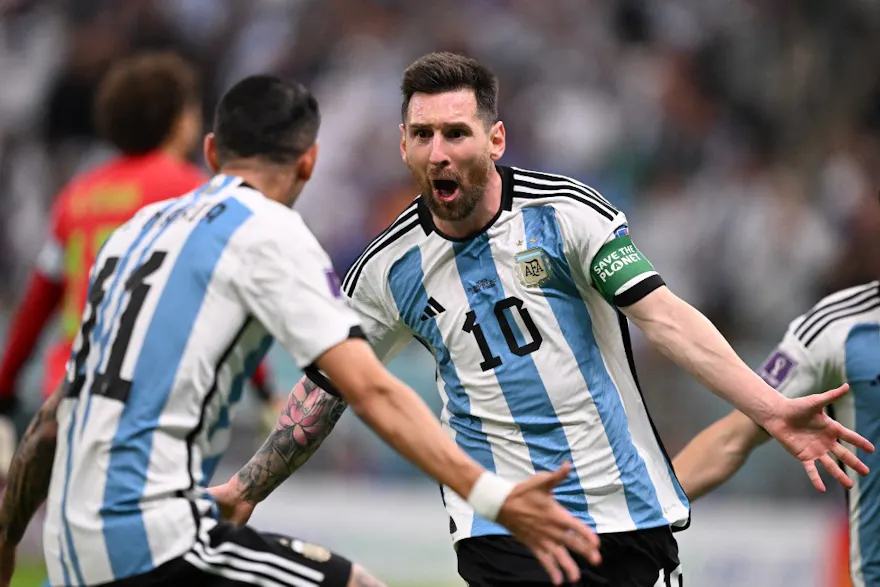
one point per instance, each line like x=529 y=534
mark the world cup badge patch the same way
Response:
x=533 y=267
x=777 y=369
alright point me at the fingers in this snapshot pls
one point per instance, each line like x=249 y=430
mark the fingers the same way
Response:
x=549 y=563
x=586 y=546
x=832 y=467
x=855 y=439
x=849 y=459
x=548 y=480
x=831 y=396
x=566 y=563
x=813 y=474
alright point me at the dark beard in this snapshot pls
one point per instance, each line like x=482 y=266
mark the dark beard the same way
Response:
x=469 y=195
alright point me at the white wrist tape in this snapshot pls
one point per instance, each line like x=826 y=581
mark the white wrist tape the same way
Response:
x=488 y=495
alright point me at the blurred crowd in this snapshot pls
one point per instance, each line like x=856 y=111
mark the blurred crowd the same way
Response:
x=741 y=137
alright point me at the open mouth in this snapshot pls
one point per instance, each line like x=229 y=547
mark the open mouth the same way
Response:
x=445 y=190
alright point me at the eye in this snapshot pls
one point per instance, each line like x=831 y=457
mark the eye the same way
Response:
x=422 y=133
x=456 y=133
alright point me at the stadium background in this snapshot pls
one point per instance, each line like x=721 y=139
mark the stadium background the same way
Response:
x=741 y=137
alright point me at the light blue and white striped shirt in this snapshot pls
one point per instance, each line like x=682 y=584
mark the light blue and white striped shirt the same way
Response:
x=534 y=366
x=184 y=302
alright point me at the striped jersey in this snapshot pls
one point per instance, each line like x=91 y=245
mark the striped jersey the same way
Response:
x=534 y=365
x=184 y=301
x=838 y=341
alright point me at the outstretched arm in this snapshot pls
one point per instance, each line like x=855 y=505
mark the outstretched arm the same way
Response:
x=800 y=425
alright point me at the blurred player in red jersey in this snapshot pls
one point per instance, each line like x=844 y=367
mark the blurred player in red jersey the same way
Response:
x=149 y=107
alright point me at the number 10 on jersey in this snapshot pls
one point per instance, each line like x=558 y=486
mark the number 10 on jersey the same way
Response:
x=491 y=360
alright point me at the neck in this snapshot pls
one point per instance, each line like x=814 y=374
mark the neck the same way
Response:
x=482 y=215
x=275 y=185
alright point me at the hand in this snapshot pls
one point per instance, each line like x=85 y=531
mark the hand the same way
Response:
x=7 y=563
x=232 y=507
x=807 y=432
x=534 y=516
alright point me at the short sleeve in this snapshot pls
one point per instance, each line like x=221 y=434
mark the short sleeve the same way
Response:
x=608 y=256
x=381 y=324
x=790 y=369
x=290 y=286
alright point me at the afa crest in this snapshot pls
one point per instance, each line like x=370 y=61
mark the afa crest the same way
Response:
x=533 y=267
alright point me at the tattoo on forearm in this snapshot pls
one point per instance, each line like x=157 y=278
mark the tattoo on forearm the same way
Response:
x=307 y=419
x=27 y=482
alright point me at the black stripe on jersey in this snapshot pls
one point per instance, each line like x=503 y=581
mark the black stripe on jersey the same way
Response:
x=405 y=216
x=355 y=272
x=551 y=194
x=212 y=391
x=562 y=178
x=564 y=183
x=631 y=361
x=861 y=294
x=638 y=291
x=314 y=374
x=867 y=306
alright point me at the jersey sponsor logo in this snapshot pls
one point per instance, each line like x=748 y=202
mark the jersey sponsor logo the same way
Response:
x=533 y=267
x=433 y=308
x=777 y=369
x=621 y=231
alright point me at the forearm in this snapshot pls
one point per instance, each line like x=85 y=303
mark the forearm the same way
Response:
x=716 y=454
x=27 y=483
x=307 y=419
x=403 y=420
x=687 y=337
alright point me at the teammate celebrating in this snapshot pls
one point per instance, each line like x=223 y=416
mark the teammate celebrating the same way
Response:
x=149 y=107
x=518 y=282
x=185 y=299
x=836 y=342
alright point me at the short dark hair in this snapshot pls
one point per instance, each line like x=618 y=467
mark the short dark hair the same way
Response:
x=141 y=98
x=436 y=73
x=263 y=116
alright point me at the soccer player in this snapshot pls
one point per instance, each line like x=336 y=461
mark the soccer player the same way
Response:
x=519 y=283
x=836 y=342
x=149 y=107
x=184 y=300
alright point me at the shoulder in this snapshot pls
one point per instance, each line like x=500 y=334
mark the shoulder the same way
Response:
x=830 y=319
x=569 y=197
x=390 y=244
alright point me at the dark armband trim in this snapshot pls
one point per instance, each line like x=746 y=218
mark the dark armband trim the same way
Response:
x=314 y=374
x=638 y=291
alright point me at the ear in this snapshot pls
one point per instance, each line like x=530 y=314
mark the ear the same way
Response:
x=403 y=143
x=497 y=140
x=209 y=147
x=307 y=161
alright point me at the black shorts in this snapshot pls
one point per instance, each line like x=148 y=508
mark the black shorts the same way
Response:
x=644 y=558
x=230 y=555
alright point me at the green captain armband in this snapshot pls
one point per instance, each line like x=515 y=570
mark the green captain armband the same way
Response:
x=622 y=273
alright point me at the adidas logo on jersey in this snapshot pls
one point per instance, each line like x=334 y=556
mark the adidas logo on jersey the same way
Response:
x=432 y=309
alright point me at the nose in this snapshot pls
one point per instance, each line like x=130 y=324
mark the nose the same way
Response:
x=438 y=157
